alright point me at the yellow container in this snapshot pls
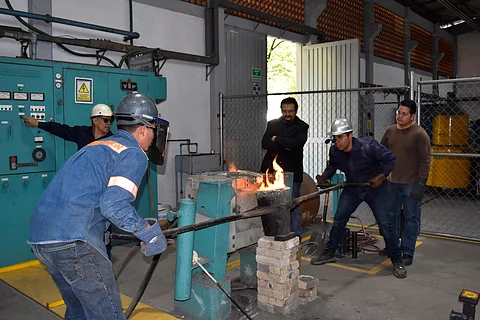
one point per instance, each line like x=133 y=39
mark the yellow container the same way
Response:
x=450 y=130
x=447 y=171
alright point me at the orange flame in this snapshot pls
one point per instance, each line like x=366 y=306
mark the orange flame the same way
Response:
x=232 y=167
x=278 y=183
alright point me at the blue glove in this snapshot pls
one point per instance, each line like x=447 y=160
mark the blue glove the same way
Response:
x=154 y=240
x=418 y=190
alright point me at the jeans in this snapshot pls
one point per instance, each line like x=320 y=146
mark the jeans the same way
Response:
x=296 y=214
x=400 y=195
x=377 y=200
x=85 y=279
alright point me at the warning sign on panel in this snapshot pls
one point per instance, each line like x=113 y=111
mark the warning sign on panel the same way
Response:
x=83 y=90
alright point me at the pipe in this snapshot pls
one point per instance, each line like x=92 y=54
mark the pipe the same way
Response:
x=130 y=13
x=174 y=232
x=183 y=271
x=181 y=161
x=220 y=128
x=49 y=19
x=143 y=286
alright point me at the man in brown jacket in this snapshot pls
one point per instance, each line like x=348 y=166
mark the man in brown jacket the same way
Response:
x=411 y=146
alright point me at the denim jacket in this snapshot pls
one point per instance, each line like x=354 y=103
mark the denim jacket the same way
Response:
x=367 y=159
x=95 y=186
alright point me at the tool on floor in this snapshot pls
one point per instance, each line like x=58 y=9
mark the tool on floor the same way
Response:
x=196 y=260
x=470 y=301
x=321 y=231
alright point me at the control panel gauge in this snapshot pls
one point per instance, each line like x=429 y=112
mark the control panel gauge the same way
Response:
x=39 y=154
x=5 y=95
x=20 y=96
x=36 y=96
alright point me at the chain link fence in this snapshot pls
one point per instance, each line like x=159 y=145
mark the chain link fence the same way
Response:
x=448 y=111
x=450 y=114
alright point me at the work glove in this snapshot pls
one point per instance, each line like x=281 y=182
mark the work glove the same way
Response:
x=418 y=190
x=377 y=180
x=322 y=181
x=153 y=240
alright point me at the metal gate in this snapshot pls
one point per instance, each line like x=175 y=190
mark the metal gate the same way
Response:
x=450 y=113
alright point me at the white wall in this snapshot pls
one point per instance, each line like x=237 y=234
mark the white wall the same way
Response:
x=188 y=94
x=10 y=47
x=468 y=52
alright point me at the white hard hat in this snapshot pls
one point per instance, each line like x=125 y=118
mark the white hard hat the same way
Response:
x=101 y=110
x=339 y=126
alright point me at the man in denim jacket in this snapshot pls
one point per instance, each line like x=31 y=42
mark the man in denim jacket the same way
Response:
x=95 y=187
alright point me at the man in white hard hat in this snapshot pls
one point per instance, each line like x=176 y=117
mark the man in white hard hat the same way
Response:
x=362 y=160
x=101 y=117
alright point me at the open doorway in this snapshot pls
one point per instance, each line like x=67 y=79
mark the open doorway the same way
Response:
x=281 y=72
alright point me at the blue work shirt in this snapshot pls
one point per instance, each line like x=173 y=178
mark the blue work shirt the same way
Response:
x=95 y=186
x=366 y=159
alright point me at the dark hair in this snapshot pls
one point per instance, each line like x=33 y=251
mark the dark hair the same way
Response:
x=129 y=127
x=290 y=100
x=410 y=104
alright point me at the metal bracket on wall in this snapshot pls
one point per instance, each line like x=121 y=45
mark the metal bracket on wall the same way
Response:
x=100 y=53
x=208 y=70
x=159 y=67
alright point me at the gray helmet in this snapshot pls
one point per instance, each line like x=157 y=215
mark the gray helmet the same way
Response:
x=136 y=108
x=339 y=126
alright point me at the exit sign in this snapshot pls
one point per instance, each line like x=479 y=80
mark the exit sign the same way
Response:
x=256 y=73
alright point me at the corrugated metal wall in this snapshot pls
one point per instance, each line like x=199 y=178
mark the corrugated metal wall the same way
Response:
x=328 y=66
x=245 y=118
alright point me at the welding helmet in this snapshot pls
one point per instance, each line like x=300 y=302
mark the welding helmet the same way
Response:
x=138 y=108
x=339 y=126
x=101 y=110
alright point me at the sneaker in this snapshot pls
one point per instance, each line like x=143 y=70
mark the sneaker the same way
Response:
x=383 y=252
x=327 y=256
x=399 y=270
x=407 y=259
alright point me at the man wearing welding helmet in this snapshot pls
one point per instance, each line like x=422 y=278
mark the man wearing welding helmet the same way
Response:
x=362 y=160
x=284 y=138
x=101 y=117
x=94 y=188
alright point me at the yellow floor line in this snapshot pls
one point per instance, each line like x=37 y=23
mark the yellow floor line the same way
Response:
x=20 y=266
x=35 y=282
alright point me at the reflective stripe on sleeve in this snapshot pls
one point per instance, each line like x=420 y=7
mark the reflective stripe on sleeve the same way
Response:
x=124 y=183
x=115 y=146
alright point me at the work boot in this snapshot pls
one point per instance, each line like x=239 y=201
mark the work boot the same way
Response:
x=399 y=270
x=383 y=252
x=327 y=256
x=407 y=259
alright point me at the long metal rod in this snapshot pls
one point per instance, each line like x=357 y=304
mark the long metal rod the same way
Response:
x=48 y=19
x=172 y=233
x=380 y=89
x=220 y=129
x=473 y=79
x=463 y=155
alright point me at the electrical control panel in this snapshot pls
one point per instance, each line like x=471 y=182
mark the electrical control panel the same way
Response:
x=30 y=157
x=25 y=91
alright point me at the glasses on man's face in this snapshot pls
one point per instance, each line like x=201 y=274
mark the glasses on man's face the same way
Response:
x=339 y=137
x=291 y=111
x=106 y=120
x=404 y=114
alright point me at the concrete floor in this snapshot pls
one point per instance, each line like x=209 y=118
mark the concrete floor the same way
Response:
x=348 y=289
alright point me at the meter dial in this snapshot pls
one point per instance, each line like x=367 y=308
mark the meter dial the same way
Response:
x=35 y=96
x=39 y=154
x=20 y=96
x=5 y=95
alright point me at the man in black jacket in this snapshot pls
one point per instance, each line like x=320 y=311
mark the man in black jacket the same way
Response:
x=286 y=137
x=101 y=117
